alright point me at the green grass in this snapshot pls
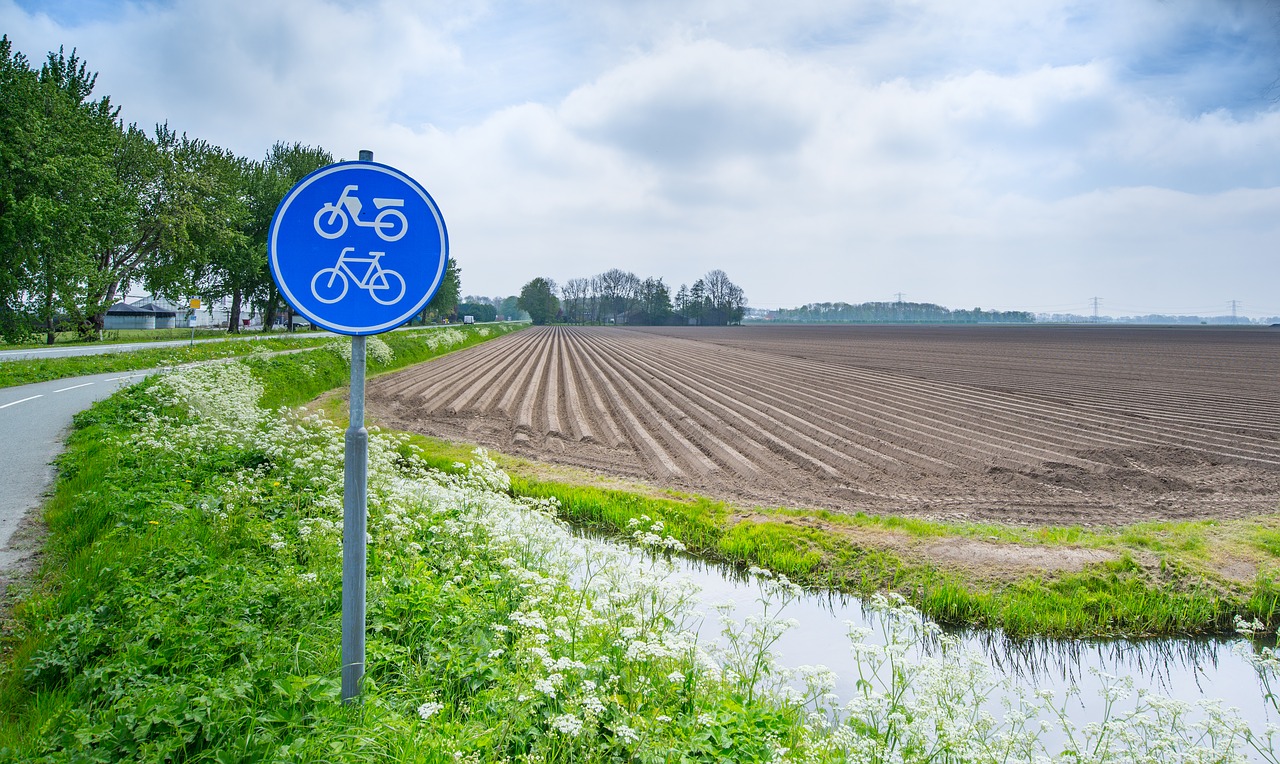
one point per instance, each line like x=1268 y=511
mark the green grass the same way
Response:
x=113 y=336
x=28 y=371
x=1177 y=595
x=25 y=372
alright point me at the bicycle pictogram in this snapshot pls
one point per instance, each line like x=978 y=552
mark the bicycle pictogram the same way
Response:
x=332 y=219
x=386 y=287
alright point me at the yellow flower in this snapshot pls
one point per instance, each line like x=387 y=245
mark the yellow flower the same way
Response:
x=152 y=522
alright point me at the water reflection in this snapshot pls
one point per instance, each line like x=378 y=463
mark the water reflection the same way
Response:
x=1165 y=661
x=1187 y=669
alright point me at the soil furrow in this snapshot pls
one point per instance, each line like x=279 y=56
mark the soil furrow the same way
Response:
x=1025 y=425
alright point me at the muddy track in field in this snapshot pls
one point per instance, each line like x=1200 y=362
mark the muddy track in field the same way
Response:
x=1028 y=425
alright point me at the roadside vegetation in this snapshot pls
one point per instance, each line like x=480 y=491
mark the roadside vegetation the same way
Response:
x=1161 y=579
x=113 y=336
x=25 y=372
x=44 y=369
x=189 y=610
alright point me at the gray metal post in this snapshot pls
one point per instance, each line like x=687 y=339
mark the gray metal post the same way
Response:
x=355 y=510
x=354 y=529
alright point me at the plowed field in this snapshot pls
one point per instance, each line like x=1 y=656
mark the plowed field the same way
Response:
x=1027 y=425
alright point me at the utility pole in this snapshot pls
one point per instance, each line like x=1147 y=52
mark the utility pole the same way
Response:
x=1234 y=303
x=899 y=295
x=1095 y=300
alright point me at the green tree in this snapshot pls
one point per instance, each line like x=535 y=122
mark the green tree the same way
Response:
x=682 y=301
x=200 y=212
x=242 y=271
x=696 y=302
x=655 y=302
x=509 y=309
x=57 y=193
x=481 y=311
x=445 y=301
x=538 y=299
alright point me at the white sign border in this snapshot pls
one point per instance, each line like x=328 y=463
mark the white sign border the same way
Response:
x=273 y=249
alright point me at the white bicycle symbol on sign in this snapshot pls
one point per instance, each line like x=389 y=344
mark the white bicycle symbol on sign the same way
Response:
x=386 y=287
x=332 y=219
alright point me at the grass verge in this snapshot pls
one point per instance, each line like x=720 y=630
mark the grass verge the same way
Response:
x=409 y=351
x=67 y=339
x=25 y=372
x=1152 y=579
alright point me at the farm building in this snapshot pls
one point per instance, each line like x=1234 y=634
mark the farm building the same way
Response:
x=143 y=316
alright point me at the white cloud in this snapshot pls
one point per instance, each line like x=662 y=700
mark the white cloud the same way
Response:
x=694 y=105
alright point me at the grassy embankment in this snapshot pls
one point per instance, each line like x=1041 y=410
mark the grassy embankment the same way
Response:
x=188 y=610
x=25 y=372
x=112 y=336
x=41 y=370
x=1161 y=578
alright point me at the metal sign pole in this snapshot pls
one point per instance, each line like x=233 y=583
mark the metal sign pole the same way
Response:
x=355 y=509
x=354 y=529
x=358 y=248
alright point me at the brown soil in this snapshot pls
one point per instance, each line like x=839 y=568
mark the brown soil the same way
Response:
x=22 y=557
x=977 y=560
x=1026 y=425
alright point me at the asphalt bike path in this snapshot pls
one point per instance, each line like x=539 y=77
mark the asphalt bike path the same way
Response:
x=34 y=420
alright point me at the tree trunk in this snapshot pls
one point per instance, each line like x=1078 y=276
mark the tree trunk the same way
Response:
x=269 y=315
x=51 y=335
x=98 y=320
x=233 y=318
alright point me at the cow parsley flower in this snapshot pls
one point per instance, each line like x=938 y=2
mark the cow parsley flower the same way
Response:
x=567 y=724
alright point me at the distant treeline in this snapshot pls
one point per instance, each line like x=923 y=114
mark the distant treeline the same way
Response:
x=1153 y=318
x=484 y=309
x=621 y=297
x=892 y=313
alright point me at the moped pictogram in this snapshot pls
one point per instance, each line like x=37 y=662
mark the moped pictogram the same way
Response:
x=332 y=219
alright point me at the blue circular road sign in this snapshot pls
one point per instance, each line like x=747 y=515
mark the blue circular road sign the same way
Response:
x=358 y=247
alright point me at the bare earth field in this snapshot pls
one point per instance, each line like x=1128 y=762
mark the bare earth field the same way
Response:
x=1027 y=425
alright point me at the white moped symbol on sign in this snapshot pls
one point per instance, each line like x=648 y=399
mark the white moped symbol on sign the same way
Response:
x=390 y=224
x=386 y=287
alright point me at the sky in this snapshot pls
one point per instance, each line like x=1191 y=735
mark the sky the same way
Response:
x=1026 y=155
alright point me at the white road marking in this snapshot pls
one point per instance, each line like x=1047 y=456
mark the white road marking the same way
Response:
x=73 y=387
x=24 y=400
x=130 y=376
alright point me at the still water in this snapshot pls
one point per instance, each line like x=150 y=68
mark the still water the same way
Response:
x=1189 y=670
x=1184 y=669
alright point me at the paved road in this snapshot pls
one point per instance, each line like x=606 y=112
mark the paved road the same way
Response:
x=33 y=424
x=62 y=351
